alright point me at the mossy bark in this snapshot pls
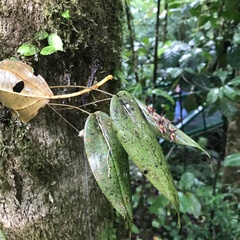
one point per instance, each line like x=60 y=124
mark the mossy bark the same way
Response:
x=46 y=188
x=231 y=174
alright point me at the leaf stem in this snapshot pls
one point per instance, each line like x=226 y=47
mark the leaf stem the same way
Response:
x=96 y=86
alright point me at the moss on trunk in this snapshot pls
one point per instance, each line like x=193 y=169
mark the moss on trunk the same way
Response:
x=231 y=174
x=47 y=190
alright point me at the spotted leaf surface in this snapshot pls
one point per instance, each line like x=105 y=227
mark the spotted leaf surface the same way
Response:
x=141 y=144
x=109 y=162
x=172 y=133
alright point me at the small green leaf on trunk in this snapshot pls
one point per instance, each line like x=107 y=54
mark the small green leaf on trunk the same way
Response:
x=27 y=50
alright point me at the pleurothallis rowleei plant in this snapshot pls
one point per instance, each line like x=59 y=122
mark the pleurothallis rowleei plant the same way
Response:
x=131 y=130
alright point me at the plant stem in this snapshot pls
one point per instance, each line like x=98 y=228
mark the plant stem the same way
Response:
x=156 y=46
x=131 y=39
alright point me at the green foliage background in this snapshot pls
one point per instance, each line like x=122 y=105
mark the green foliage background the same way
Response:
x=198 y=49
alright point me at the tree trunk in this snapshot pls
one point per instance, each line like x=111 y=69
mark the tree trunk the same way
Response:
x=231 y=174
x=46 y=188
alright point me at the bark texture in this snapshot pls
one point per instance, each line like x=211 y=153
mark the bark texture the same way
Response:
x=232 y=174
x=46 y=188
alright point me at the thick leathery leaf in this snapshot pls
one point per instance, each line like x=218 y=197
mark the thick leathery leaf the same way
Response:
x=141 y=144
x=109 y=162
x=172 y=133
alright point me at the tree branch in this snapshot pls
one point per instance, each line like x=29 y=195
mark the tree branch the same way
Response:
x=156 y=46
x=131 y=39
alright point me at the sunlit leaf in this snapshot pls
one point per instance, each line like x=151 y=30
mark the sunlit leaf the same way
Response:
x=229 y=92
x=66 y=14
x=232 y=160
x=48 y=50
x=235 y=81
x=213 y=95
x=27 y=50
x=55 y=41
x=145 y=40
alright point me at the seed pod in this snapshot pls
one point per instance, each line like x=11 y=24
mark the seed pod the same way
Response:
x=141 y=144
x=171 y=133
x=109 y=162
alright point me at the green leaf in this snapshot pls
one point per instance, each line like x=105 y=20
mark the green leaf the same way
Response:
x=221 y=74
x=27 y=50
x=156 y=223
x=187 y=180
x=203 y=20
x=119 y=74
x=2 y=236
x=229 y=91
x=235 y=81
x=159 y=92
x=135 y=229
x=55 y=41
x=41 y=35
x=234 y=57
x=172 y=133
x=195 y=206
x=189 y=204
x=185 y=202
x=145 y=40
x=213 y=95
x=109 y=162
x=232 y=160
x=48 y=50
x=66 y=14
x=157 y=203
x=174 y=72
x=196 y=10
x=227 y=107
x=214 y=23
x=141 y=144
x=135 y=89
x=230 y=15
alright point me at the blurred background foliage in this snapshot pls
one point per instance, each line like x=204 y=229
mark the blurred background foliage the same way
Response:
x=187 y=52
